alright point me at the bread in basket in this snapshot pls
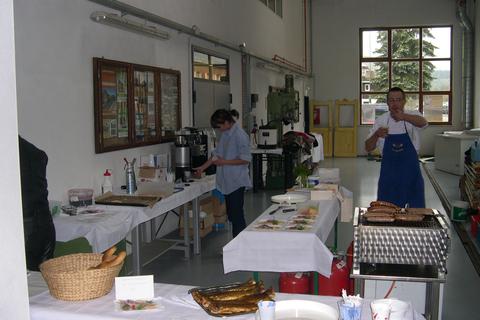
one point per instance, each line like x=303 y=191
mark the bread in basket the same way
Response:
x=81 y=276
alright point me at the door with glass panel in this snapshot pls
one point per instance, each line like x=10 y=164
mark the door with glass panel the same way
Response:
x=345 y=133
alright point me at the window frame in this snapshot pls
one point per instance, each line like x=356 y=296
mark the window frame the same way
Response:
x=277 y=6
x=210 y=65
x=420 y=60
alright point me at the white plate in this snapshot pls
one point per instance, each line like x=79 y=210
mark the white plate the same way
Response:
x=290 y=198
x=302 y=310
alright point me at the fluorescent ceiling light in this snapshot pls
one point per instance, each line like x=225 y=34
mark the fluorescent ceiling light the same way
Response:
x=123 y=23
x=271 y=67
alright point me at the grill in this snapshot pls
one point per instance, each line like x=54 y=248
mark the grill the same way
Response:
x=422 y=245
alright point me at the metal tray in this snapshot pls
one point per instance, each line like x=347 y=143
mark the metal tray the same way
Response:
x=218 y=289
x=127 y=200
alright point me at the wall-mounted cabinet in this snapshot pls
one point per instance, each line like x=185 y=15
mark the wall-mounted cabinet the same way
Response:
x=135 y=105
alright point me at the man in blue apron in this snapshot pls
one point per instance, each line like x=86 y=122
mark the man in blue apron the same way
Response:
x=397 y=135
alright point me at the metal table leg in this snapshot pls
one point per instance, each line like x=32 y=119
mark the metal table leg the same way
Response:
x=335 y=241
x=432 y=295
x=257 y=171
x=186 y=231
x=136 y=265
x=196 y=226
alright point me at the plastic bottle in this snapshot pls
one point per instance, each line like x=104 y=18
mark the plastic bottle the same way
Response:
x=107 y=182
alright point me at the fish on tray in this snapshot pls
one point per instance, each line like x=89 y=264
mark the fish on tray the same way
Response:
x=232 y=299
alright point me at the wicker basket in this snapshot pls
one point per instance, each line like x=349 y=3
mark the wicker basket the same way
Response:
x=68 y=279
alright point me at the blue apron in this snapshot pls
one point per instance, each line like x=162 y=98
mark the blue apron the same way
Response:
x=401 y=180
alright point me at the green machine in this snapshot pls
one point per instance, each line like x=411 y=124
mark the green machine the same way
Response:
x=282 y=107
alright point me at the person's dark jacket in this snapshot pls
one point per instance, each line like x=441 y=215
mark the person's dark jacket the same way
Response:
x=39 y=229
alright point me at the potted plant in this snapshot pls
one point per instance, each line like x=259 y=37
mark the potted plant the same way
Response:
x=302 y=171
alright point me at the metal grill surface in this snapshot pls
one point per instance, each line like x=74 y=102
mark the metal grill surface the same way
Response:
x=400 y=242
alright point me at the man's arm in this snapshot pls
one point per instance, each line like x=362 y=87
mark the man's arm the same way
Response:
x=371 y=143
x=414 y=119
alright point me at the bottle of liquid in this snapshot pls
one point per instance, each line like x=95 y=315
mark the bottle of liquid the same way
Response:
x=130 y=180
x=107 y=182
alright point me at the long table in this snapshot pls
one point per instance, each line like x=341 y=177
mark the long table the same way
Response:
x=284 y=251
x=103 y=230
x=173 y=300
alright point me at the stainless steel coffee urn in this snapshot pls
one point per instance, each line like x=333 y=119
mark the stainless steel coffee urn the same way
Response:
x=182 y=156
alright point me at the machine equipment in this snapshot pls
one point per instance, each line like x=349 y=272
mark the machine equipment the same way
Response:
x=191 y=151
x=282 y=109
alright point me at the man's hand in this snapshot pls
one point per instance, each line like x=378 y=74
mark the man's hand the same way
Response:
x=381 y=132
x=198 y=170
x=397 y=115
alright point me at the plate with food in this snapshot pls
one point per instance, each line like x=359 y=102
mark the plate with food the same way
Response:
x=302 y=309
x=289 y=198
x=269 y=224
x=298 y=227
x=308 y=211
x=297 y=220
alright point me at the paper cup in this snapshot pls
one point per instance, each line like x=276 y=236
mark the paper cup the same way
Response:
x=399 y=309
x=380 y=310
x=348 y=312
x=266 y=310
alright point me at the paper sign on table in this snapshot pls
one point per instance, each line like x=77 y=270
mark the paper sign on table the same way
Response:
x=134 y=288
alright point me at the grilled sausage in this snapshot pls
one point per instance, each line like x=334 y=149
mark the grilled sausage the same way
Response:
x=379 y=203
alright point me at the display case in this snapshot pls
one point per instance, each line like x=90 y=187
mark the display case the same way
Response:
x=170 y=103
x=134 y=105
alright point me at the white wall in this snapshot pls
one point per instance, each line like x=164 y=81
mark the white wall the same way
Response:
x=13 y=278
x=56 y=41
x=476 y=113
x=336 y=48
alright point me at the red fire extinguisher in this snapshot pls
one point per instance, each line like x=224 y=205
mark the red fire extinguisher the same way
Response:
x=339 y=279
x=291 y=282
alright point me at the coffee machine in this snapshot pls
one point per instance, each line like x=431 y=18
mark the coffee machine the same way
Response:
x=182 y=156
x=191 y=151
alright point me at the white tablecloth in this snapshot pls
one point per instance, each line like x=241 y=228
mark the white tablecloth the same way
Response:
x=103 y=230
x=284 y=251
x=174 y=300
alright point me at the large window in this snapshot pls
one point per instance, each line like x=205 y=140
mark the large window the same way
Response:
x=274 y=5
x=209 y=67
x=416 y=59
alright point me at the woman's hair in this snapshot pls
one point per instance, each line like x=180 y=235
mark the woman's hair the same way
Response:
x=235 y=113
x=221 y=116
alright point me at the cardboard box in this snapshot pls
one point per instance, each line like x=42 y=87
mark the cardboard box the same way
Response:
x=205 y=225
x=327 y=186
x=220 y=219
x=211 y=205
x=322 y=194
x=345 y=197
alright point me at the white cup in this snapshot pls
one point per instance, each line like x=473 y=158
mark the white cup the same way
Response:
x=266 y=310
x=380 y=310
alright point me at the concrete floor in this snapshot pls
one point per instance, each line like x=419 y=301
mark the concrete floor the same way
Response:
x=360 y=176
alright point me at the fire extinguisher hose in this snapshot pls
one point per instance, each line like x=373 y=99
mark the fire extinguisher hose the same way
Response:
x=390 y=289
